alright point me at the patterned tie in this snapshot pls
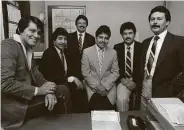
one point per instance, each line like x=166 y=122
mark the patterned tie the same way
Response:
x=80 y=41
x=152 y=55
x=100 y=60
x=128 y=71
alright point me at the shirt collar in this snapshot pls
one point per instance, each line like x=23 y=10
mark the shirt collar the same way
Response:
x=17 y=38
x=58 y=51
x=131 y=46
x=98 y=49
x=80 y=33
x=162 y=35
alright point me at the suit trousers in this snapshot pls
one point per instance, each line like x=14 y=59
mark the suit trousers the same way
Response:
x=98 y=102
x=79 y=99
x=123 y=98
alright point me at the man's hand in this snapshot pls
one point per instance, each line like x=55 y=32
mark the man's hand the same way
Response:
x=50 y=101
x=47 y=87
x=147 y=88
x=129 y=83
x=78 y=83
x=101 y=90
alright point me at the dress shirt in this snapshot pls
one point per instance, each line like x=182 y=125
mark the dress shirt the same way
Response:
x=98 y=49
x=157 y=51
x=131 y=52
x=83 y=35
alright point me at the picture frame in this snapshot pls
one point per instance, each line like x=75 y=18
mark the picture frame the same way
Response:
x=63 y=16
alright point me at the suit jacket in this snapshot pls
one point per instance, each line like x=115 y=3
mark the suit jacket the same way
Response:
x=109 y=74
x=168 y=79
x=17 y=83
x=120 y=49
x=74 y=53
x=51 y=66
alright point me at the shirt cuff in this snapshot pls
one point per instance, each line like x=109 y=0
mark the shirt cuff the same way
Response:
x=70 y=79
x=36 y=91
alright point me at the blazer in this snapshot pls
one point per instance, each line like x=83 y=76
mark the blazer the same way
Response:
x=74 y=53
x=168 y=79
x=51 y=66
x=120 y=49
x=17 y=83
x=109 y=74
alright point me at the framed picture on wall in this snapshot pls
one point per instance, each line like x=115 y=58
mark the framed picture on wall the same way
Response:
x=63 y=16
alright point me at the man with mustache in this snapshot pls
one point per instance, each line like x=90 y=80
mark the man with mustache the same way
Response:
x=77 y=42
x=25 y=92
x=54 y=62
x=100 y=70
x=162 y=65
x=129 y=55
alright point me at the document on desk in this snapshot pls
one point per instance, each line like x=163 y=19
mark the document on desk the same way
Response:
x=171 y=108
x=175 y=112
x=105 y=120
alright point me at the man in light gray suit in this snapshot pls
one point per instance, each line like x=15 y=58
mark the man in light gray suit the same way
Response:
x=100 y=70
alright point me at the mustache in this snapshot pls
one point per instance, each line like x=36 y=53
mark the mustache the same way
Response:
x=128 y=38
x=155 y=26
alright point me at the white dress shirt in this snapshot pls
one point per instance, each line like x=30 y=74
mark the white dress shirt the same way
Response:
x=157 y=51
x=131 y=52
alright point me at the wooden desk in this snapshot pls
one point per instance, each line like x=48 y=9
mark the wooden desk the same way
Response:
x=71 y=122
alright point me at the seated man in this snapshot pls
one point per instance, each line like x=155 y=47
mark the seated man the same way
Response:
x=25 y=93
x=129 y=56
x=54 y=62
x=100 y=70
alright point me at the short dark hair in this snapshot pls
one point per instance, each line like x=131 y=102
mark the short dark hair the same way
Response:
x=103 y=29
x=161 y=9
x=59 y=31
x=127 y=25
x=81 y=17
x=24 y=23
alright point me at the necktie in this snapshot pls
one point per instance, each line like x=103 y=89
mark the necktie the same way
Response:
x=62 y=58
x=80 y=41
x=152 y=55
x=128 y=71
x=100 y=60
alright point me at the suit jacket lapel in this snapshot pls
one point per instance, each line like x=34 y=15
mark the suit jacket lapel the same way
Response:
x=56 y=55
x=135 y=55
x=164 y=49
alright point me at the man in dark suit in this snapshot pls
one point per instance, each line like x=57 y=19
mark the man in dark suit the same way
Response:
x=54 y=62
x=129 y=55
x=25 y=92
x=162 y=59
x=77 y=42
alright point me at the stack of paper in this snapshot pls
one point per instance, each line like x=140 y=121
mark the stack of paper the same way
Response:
x=171 y=108
x=105 y=120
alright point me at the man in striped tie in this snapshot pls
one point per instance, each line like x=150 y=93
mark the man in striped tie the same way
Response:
x=129 y=55
x=162 y=59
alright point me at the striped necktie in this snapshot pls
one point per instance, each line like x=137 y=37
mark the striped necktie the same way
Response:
x=100 y=59
x=128 y=71
x=152 y=55
x=80 y=41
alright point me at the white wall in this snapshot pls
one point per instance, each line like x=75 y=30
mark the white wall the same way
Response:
x=115 y=13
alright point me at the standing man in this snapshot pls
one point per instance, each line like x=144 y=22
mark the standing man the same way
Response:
x=25 y=93
x=100 y=70
x=129 y=56
x=162 y=60
x=77 y=42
